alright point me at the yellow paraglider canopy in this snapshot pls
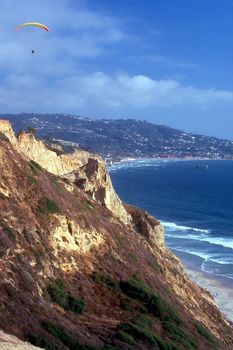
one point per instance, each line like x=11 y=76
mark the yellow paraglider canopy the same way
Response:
x=34 y=24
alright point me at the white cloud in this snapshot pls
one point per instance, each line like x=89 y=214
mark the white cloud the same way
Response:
x=98 y=91
x=57 y=78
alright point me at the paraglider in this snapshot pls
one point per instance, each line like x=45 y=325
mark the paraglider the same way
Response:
x=33 y=24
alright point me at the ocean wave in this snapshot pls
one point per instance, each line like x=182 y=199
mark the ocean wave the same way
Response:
x=204 y=237
x=180 y=233
x=214 y=270
x=222 y=260
x=206 y=256
x=174 y=226
x=222 y=242
x=137 y=163
x=199 y=254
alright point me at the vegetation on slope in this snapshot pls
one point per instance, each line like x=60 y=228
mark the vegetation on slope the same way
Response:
x=60 y=295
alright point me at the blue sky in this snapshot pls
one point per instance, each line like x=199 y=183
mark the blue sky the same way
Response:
x=165 y=61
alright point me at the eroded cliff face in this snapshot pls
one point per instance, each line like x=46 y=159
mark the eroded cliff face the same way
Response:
x=84 y=169
x=146 y=225
x=67 y=228
x=6 y=129
x=49 y=160
x=93 y=179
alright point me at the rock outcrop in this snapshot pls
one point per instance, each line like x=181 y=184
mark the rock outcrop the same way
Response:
x=9 y=342
x=93 y=179
x=49 y=160
x=146 y=225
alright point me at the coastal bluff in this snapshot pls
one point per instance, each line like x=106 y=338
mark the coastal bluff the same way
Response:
x=9 y=342
x=79 y=267
x=84 y=168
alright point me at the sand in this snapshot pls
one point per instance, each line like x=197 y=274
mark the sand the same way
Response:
x=221 y=288
x=223 y=294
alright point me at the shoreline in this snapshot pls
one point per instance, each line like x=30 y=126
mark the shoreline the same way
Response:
x=220 y=287
x=123 y=161
x=131 y=159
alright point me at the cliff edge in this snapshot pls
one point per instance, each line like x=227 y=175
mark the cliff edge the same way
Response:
x=9 y=342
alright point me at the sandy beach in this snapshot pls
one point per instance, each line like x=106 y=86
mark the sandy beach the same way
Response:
x=222 y=293
x=220 y=287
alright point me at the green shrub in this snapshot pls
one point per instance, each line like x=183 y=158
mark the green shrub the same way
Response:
x=180 y=335
x=2 y=196
x=153 y=301
x=74 y=305
x=42 y=342
x=126 y=338
x=59 y=332
x=205 y=333
x=32 y=179
x=56 y=184
x=143 y=321
x=35 y=166
x=58 y=292
x=131 y=305
x=138 y=332
x=136 y=289
x=47 y=205
x=59 y=295
x=106 y=280
x=145 y=334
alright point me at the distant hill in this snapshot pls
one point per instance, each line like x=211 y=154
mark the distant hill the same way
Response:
x=124 y=137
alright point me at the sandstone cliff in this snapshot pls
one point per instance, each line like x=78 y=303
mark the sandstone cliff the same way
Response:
x=73 y=273
x=90 y=173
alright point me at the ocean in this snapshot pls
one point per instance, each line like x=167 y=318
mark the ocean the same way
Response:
x=194 y=202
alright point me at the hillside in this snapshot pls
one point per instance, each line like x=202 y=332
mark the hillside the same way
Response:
x=116 y=139
x=82 y=270
x=9 y=342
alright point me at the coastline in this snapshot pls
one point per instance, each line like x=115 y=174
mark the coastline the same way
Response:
x=221 y=288
x=188 y=228
x=114 y=162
